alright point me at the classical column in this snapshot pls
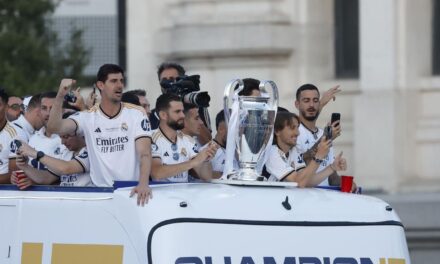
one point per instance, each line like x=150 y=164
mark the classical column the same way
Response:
x=379 y=109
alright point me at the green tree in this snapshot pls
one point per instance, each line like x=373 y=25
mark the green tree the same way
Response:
x=31 y=58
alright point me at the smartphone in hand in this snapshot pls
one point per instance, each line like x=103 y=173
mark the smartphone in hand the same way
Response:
x=335 y=117
x=328 y=132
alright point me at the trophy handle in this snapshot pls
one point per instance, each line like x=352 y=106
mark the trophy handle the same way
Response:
x=273 y=99
x=229 y=91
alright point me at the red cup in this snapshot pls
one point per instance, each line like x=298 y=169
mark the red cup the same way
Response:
x=20 y=176
x=346 y=183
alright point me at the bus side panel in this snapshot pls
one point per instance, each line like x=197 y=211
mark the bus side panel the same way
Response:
x=264 y=243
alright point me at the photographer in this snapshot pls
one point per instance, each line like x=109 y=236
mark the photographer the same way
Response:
x=173 y=80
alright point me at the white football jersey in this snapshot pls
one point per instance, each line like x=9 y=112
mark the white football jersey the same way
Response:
x=51 y=146
x=111 y=142
x=182 y=150
x=77 y=179
x=24 y=129
x=7 y=135
x=280 y=164
x=306 y=140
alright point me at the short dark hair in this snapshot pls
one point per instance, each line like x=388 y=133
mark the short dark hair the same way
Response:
x=4 y=95
x=137 y=92
x=35 y=102
x=50 y=94
x=284 y=119
x=170 y=65
x=130 y=98
x=164 y=100
x=250 y=85
x=282 y=109
x=187 y=107
x=305 y=87
x=220 y=117
x=107 y=69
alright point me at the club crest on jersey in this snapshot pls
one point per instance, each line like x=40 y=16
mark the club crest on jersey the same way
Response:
x=145 y=124
x=183 y=152
x=154 y=147
x=300 y=158
x=84 y=155
x=57 y=151
x=196 y=149
x=124 y=127
x=1 y=147
x=13 y=146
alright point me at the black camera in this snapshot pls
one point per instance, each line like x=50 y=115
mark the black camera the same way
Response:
x=187 y=88
x=70 y=97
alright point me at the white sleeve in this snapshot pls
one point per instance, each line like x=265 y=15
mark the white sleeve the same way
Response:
x=218 y=162
x=12 y=148
x=276 y=166
x=193 y=148
x=300 y=144
x=4 y=158
x=78 y=118
x=83 y=158
x=142 y=126
x=156 y=151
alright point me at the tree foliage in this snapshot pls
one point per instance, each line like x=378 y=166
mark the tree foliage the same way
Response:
x=31 y=57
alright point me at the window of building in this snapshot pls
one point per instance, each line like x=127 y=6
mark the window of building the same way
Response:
x=436 y=37
x=346 y=14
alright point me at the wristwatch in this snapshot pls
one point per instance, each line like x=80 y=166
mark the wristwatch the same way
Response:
x=40 y=154
x=319 y=161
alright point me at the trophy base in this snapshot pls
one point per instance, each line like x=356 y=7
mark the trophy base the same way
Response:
x=255 y=183
x=246 y=175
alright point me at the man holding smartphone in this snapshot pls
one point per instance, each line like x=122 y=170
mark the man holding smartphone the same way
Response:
x=308 y=104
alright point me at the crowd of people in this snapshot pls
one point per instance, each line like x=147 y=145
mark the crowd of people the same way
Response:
x=94 y=141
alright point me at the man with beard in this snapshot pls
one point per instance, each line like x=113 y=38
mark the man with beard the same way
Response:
x=308 y=104
x=15 y=108
x=174 y=153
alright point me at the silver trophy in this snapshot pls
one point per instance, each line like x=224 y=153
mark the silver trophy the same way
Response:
x=256 y=118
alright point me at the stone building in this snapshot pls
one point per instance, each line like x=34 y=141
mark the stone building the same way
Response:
x=385 y=54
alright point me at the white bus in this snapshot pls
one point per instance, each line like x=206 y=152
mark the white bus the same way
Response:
x=198 y=223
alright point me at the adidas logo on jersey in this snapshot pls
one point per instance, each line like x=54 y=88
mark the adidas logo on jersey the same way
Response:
x=166 y=154
x=98 y=130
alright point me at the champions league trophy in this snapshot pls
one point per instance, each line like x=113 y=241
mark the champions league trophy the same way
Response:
x=250 y=129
